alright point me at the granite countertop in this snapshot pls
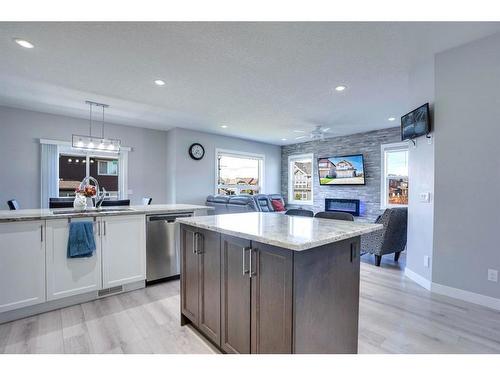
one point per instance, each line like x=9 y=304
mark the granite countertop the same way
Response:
x=47 y=214
x=290 y=232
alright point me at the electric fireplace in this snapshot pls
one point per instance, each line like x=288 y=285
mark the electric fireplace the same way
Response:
x=342 y=205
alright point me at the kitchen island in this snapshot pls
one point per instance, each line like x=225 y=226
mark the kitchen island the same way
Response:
x=271 y=283
x=36 y=275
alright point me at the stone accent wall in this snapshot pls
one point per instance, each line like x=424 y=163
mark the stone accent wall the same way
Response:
x=367 y=144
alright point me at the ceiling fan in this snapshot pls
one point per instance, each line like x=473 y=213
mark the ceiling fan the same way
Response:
x=317 y=134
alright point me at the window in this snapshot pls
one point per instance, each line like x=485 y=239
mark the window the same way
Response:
x=394 y=184
x=72 y=170
x=239 y=173
x=75 y=165
x=300 y=173
x=63 y=167
x=107 y=167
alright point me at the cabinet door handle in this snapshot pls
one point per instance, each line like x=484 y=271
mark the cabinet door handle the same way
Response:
x=98 y=224
x=194 y=242
x=198 y=237
x=104 y=222
x=41 y=233
x=251 y=272
x=353 y=251
x=243 y=253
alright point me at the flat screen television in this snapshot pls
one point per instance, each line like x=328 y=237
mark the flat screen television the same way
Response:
x=342 y=170
x=416 y=123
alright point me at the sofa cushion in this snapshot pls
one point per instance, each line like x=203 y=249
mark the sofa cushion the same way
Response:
x=239 y=199
x=263 y=203
x=278 y=205
x=241 y=203
x=218 y=198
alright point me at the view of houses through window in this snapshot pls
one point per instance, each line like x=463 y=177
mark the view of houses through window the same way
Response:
x=239 y=173
x=300 y=182
x=74 y=167
x=395 y=177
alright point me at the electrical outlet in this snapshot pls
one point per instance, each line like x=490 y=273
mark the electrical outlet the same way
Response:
x=492 y=275
x=427 y=261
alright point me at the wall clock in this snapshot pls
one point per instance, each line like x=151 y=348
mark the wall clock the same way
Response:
x=196 y=151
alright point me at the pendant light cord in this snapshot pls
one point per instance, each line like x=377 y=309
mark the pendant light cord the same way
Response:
x=90 y=122
x=102 y=132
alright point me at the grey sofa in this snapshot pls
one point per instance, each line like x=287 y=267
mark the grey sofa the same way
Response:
x=390 y=239
x=229 y=204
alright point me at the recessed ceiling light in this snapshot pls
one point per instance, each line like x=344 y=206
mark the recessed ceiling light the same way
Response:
x=391 y=118
x=223 y=126
x=159 y=82
x=24 y=43
x=283 y=139
x=340 y=88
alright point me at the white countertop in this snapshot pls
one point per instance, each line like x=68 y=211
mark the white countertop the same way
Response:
x=290 y=232
x=45 y=214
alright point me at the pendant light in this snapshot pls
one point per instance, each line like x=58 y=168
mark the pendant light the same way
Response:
x=90 y=142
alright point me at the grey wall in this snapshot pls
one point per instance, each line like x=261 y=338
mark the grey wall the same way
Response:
x=20 y=131
x=421 y=178
x=190 y=181
x=467 y=166
x=367 y=144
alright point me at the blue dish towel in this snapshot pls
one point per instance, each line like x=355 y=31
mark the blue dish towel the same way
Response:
x=81 y=242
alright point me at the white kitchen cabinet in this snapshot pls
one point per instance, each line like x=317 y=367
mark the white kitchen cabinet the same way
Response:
x=123 y=249
x=22 y=264
x=70 y=276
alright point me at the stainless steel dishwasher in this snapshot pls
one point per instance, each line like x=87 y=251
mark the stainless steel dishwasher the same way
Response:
x=162 y=250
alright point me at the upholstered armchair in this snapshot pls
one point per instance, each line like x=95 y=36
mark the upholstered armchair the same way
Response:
x=390 y=239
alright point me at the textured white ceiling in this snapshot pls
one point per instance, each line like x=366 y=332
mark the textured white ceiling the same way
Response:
x=262 y=80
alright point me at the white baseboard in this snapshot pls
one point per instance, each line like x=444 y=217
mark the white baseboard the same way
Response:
x=478 y=299
x=420 y=280
x=464 y=295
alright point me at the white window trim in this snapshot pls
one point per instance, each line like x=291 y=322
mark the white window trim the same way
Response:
x=383 y=180
x=262 y=159
x=290 y=179
x=66 y=147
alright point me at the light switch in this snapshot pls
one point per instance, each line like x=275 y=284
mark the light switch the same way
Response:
x=493 y=275
x=427 y=261
x=425 y=197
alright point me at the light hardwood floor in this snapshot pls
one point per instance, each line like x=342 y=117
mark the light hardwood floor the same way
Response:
x=396 y=316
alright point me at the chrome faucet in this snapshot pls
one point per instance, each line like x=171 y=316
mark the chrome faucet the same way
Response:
x=100 y=195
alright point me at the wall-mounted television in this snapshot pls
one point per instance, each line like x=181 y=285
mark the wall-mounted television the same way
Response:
x=342 y=170
x=416 y=123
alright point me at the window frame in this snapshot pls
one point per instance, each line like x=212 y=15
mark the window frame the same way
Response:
x=121 y=156
x=248 y=155
x=388 y=147
x=291 y=199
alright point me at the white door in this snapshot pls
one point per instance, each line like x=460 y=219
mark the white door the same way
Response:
x=123 y=250
x=22 y=264
x=70 y=276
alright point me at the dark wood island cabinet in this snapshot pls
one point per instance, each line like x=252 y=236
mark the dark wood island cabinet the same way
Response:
x=248 y=296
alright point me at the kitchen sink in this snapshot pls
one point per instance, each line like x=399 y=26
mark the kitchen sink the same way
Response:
x=91 y=211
